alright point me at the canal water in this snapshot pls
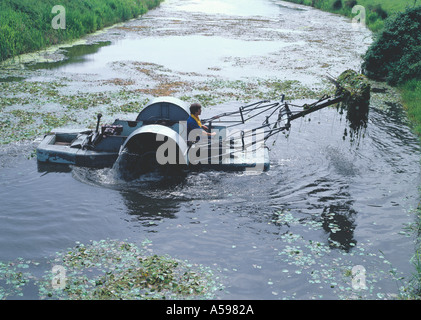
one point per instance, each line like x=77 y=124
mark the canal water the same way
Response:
x=334 y=199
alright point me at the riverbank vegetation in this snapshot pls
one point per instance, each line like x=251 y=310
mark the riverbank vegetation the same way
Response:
x=27 y=26
x=395 y=57
x=411 y=95
x=377 y=11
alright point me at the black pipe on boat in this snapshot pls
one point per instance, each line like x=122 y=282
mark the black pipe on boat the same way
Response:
x=97 y=124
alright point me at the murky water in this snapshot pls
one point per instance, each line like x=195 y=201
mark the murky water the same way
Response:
x=328 y=203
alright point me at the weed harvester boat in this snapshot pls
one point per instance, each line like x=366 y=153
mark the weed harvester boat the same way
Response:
x=157 y=138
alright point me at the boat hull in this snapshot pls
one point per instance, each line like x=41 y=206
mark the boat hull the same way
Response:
x=158 y=134
x=62 y=148
x=57 y=148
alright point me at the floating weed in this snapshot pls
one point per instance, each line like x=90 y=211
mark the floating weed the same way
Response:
x=21 y=124
x=286 y=217
x=110 y=269
x=218 y=91
x=80 y=104
x=56 y=107
x=128 y=107
x=120 y=270
x=328 y=267
x=290 y=237
x=84 y=101
x=14 y=276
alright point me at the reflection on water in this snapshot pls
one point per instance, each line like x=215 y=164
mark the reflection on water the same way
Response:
x=356 y=119
x=172 y=52
x=78 y=54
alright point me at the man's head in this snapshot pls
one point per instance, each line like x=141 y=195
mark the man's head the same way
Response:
x=195 y=108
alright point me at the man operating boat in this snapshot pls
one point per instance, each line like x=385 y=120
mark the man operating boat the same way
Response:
x=194 y=123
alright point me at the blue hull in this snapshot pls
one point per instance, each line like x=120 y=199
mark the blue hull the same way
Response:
x=57 y=148
x=65 y=148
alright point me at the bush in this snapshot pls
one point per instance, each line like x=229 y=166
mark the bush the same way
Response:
x=380 y=12
x=396 y=53
x=351 y=3
x=337 y=5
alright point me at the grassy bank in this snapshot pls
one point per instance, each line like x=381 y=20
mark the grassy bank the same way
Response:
x=376 y=10
x=27 y=25
x=411 y=96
